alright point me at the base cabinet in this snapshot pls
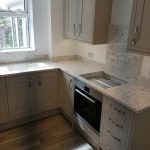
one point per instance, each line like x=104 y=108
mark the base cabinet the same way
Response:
x=66 y=94
x=46 y=90
x=122 y=129
x=21 y=95
x=4 y=113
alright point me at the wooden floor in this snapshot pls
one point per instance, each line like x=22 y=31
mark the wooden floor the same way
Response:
x=54 y=133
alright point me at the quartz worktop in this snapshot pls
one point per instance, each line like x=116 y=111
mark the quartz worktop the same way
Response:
x=135 y=96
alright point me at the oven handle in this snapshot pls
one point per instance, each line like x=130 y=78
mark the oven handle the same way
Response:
x=88 y=98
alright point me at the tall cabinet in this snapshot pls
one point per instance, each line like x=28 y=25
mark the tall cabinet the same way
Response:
x=66 y=94
x=139 y=38
x=87 y=20
x=4 y=113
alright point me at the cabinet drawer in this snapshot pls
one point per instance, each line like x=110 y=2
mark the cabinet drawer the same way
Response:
x=118 y=111
x=110 y=143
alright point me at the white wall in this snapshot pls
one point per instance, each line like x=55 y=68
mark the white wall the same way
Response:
x=93 y=52
x=121 y=12
x=41 y=23
x=145 y=69
x=60 y=46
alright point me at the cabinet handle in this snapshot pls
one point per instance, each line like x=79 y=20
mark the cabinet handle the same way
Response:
x=118 y=110
x=30 y=84
x=74 y=29
x=80 y=29
x=135 y=35
x=70 y=85
x=40 y=83
x=116 y=124
x=117 y=139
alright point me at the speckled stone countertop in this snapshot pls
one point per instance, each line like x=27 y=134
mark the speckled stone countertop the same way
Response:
x=135 y=96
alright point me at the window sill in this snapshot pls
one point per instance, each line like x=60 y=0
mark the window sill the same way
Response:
x=17 y=50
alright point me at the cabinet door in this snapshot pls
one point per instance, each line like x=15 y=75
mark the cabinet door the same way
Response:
x=66 y=94
x=85 y=20
x=47 y=90
x=21 y=95
x=70 y=14
x=4 y=113
x=139 y=39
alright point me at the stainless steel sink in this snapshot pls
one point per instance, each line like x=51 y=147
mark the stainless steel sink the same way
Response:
x=103 y=80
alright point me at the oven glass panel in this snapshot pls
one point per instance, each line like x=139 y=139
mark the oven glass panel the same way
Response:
x=89 y=111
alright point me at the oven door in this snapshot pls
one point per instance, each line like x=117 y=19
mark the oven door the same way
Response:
x=88 y=108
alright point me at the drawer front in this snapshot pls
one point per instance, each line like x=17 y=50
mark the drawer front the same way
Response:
x=109 y=143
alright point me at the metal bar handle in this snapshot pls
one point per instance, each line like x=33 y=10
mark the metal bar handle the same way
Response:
x=70 y=85
x=80 y=29
x=135 y=35
x=88 y=98
x=117 y=139
x=74 y=29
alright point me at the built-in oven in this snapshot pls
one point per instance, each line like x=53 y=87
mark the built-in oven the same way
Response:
x=88 y=105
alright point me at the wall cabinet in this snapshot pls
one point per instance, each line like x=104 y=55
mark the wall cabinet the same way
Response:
x=21 y=95
x=47 y=90
x=4 y=113
x=66 y=94
x=139 y=38
x=87 y=20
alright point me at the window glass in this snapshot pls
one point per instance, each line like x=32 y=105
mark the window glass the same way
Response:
x=14 y=32
x=14 y=25
x=12 y=5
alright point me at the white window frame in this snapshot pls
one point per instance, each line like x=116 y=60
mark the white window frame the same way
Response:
x=27 y=13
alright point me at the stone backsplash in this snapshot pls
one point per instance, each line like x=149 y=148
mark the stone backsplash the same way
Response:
x=119 y=62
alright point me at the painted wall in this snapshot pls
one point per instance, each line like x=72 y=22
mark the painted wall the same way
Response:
x=121 y=12
x=60 y=46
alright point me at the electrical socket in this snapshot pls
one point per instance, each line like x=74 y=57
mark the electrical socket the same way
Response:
x=90 y=55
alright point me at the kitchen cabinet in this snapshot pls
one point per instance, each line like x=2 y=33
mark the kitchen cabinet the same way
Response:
x=85 y=21
x=21 y=95
x=46 y=90
x=66 y=94
x=70 y=7
x=4 y=113
x=139 y=38
x=122 y=129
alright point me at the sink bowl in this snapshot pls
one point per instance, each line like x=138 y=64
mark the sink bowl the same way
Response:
x=103 y=80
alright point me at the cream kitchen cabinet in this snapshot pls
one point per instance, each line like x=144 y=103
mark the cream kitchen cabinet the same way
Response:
x=4 y=113
x=122 y=129
x=66 y=94
x=87 y=20
x=70 y=7
x=46 y=90
x=21 y=95
x=139 y=37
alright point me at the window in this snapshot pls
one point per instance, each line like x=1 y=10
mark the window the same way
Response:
x=14 y=24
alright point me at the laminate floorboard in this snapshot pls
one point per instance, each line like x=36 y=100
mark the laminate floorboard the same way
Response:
x=53 y=133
